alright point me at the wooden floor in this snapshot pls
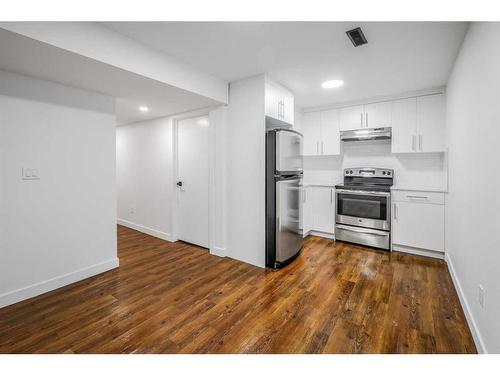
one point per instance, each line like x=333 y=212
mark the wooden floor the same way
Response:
x=176 y=298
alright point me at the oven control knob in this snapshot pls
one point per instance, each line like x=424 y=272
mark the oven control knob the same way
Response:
x=383 y=172
x=350 y=172
x=388 y=172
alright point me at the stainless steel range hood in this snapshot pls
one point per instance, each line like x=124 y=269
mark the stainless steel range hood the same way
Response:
x=365 y=134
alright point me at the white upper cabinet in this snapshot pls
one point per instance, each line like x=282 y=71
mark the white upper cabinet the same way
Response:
x=321 y=133
x=377 y=115
x=351 y=118
x=418 y=124
x=374 y=115
x=430 y=123
x=404 y=125
x=279 y=102
x=311 y=130
x=330 y=134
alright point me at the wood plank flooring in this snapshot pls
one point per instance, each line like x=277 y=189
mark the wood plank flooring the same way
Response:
x=177 y=298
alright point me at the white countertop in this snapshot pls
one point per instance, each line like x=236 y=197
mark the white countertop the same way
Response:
x=320 y=184
x=394 y=187
x=419 y=188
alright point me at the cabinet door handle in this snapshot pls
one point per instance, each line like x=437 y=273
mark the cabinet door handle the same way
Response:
x=331 y=196
x=361 y=117
x=413 y=142
x=417 y=197
x=420 y=141
x=322 y=148
x=317 y=147
x=395 y=212
x=283 y=110
x=366 y=119
x=304 y=196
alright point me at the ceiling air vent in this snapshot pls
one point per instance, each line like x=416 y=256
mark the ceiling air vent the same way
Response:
x=357 y=37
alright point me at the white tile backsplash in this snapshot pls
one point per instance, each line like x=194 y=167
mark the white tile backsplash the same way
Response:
x=417 y=169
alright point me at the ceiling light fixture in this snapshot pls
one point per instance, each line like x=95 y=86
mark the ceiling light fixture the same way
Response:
x=332 y=84
x=143 y=108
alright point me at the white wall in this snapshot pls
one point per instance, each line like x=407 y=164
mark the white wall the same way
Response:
x=246 y=171
x=410 y=170
x=145 y=180
x=60 y=228
x=472 y=217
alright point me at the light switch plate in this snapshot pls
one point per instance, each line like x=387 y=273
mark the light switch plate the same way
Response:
x=30 y=174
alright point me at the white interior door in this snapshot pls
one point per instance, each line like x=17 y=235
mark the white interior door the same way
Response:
x=193 y=175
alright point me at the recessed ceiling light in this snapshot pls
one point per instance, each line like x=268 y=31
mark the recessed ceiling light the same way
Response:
x=332 y=84
x=143 y=108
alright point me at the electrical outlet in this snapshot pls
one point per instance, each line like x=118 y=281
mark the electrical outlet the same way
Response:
x=480 y=295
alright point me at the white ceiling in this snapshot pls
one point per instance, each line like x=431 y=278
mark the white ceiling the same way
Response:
x=32 y=58
x=399 y=56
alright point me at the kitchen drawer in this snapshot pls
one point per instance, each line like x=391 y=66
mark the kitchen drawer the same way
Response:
x=418 y=196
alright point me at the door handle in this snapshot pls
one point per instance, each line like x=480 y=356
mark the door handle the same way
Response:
x=322 y=150
x=304 y=197
x=420 y=141
x=317 y=147
x=395 y=212
x=361 y=117
x=331 y=196
x=366 y=119
x=413 y=142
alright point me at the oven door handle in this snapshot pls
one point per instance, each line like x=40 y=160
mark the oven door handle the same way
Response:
x=364 y=231
x=357 y=192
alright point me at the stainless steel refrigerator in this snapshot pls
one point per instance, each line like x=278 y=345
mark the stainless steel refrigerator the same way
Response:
x=283 y=186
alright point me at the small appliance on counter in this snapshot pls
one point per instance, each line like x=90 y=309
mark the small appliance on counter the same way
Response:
x=364 y=207
x=283 y=183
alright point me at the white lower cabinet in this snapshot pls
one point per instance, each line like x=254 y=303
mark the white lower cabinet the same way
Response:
x=318 y=209
x=418 y=222
x=307 y=210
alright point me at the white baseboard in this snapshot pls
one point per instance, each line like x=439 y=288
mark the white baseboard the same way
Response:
x=152 y=232
x=417 y=251
x=219 y=251
x=331 y=236
x=478 y=340
x=33 y=290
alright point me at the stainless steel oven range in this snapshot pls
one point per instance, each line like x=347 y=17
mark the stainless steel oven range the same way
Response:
x=363 y=204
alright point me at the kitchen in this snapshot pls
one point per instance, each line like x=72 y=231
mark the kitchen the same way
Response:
x=309 y=194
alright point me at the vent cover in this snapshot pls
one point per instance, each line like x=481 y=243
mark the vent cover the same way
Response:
x=357 y=37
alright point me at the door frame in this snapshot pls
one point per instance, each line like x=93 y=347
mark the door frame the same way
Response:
x=211 y=174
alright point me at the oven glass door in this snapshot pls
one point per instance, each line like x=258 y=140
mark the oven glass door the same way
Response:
x=364 y=209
